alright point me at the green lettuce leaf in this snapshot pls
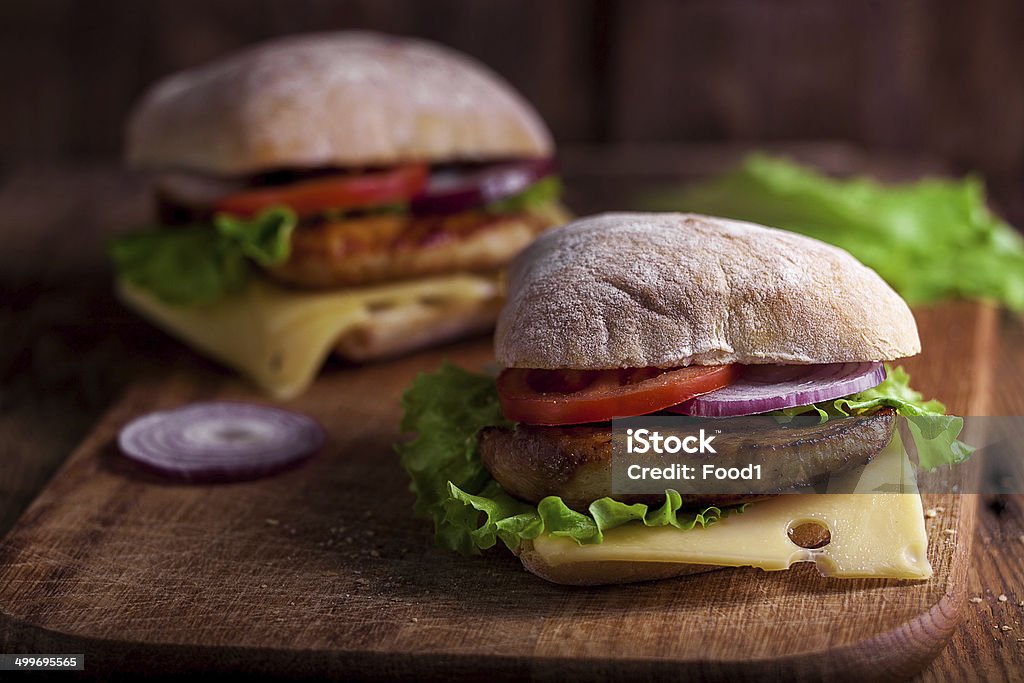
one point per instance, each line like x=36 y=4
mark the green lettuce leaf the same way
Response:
x=934 y=433
x=542 y=192
x=930 y=240
x=200 y=264
x=266 y=239
x=893 y=392
x=935 y=439
x=445 y=410
x=471 y=512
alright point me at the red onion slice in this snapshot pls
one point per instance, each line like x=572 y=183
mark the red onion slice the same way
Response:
x=762 y=388
x=220 y=440
x=197 y=191
x=451 y=191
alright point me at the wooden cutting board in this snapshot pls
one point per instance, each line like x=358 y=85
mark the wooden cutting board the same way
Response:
x=323 y=570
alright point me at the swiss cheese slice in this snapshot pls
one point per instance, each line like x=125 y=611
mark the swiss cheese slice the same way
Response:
x=279 y=338
x=873 y=535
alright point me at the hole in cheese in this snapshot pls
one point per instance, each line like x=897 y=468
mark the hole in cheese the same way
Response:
x=435 y=301
x=809 y=533
x=872 y=535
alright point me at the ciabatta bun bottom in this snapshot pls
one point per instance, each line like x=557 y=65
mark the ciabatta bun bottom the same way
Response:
x=399 y=330
x=604 y=572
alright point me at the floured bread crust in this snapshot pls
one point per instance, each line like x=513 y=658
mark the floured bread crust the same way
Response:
x=637 y=290
x=332 y=99
x=603 y=572
x=416 y=326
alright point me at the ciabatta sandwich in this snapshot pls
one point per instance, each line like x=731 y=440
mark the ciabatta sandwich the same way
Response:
x=624 y=315
x=341 y=191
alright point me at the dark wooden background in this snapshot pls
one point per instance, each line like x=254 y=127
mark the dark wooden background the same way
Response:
x=944 y=77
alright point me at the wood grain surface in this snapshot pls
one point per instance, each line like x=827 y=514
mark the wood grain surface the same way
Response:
x=67 y=351
x=326 y=567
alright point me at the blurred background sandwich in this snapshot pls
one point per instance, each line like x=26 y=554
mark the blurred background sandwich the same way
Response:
x=346 y=191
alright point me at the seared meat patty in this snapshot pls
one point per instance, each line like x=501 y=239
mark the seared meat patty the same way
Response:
x=383 y=248
x=575 y=462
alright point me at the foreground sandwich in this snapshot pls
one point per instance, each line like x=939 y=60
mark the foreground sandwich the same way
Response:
x=343 y=191
x=633 y=314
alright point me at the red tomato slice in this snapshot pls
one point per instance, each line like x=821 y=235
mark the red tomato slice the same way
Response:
x=310 y=197
x=560 y=397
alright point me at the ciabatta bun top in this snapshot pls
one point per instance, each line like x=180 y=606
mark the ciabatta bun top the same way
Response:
x=649 y=289
x=332 y=99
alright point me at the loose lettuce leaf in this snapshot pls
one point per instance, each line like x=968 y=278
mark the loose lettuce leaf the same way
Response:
x=200 y=264
x=542 y=192
x=471 y=511
x=930 y=240
x=934 y=433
